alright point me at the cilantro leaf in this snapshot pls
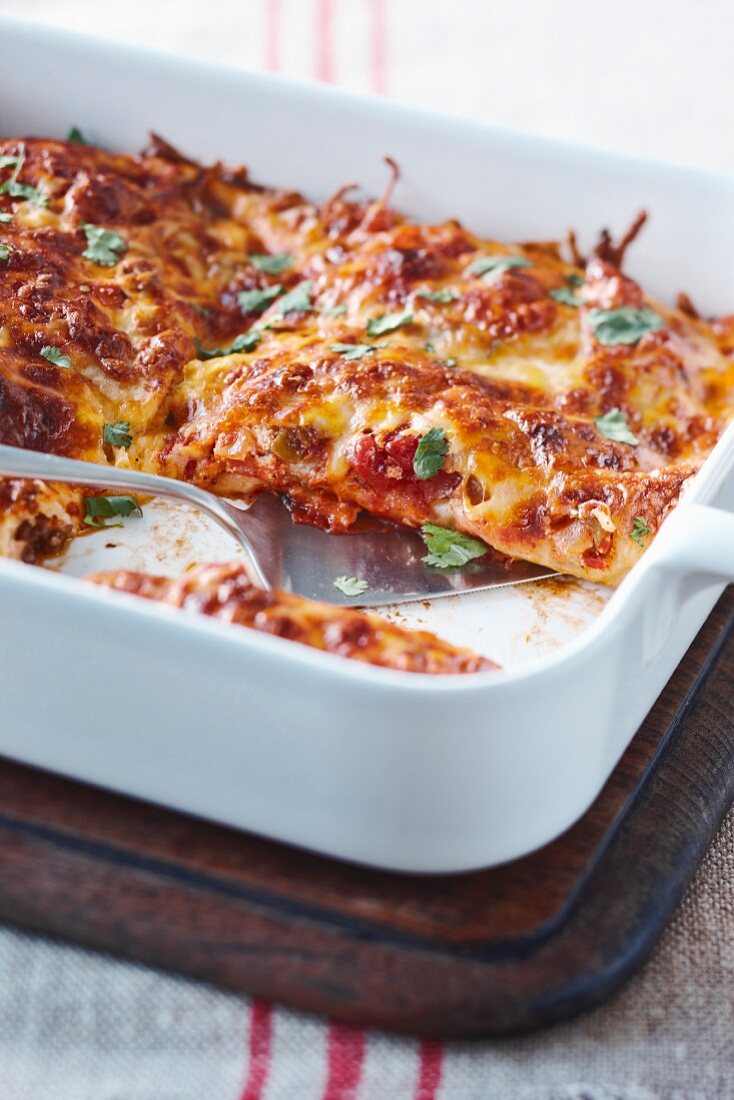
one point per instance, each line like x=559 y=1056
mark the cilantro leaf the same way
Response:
x=255 y=301
x=449 y=549
x=351 y=586
x=575 y=280
x=377 y=326
x=271 y=264
x=297 y=300
x=430 y=453
x=640 y=530
x=334 y=311
x=625 y=325
x=24 y=191
x=104 y=246
x=446 y=294
x=246 y=341
x=613 y=425
x=76 y=136
x=117 y=434
x=491 y=265
x=213 y=353
x=18 y=190
x=354 y=351
x=56 y=356
x=99 y=509
x=5 y=216
x=565 y=295
x=5 y=250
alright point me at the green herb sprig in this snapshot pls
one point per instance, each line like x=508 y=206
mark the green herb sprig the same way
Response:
x=449 y=549
x=255 y=301
x=430 y=453
x=614 y=426
x=445 y=295
x=640 y=530
x=117 y=434
x=493 y=265
x=99 y=509
x=625 y=325
x=273 y=264
x=355 y=351
x=55 y=356
x=14 y=187
x=351 y=586
x=246 y=341
x=104 y=246
x=389 y=322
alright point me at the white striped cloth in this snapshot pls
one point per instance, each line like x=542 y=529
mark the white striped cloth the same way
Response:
x=78 y=1026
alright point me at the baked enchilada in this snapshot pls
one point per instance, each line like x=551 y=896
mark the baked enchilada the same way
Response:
x=186 y=321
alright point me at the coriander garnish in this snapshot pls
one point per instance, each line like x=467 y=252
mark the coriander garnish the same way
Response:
x=351 y=586
x=76 y=136
x=5 y=250
x=246 y=341
x=565 y=295
x=99 y=509
x=625 y=325
x=271 y=264
x=104 y=246
x=255 y=301
x=614 y=426
x=13 y=187
x=640 y=530
x=354 y=351
x=297 y=300
x=446 y=294
x=491 y=265
x=378 y=326
x=55 y=356
x=449 y=549
x=117 y=434
x=430 y=454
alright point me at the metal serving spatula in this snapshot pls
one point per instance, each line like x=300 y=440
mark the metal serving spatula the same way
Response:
x=283 y=554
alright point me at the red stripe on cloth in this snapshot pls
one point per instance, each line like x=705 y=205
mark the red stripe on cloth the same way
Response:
x=346 y=1048
x=378 y=46
x=272 y=35
x=430 y=1070
x=260 y=1049
x=324 y=59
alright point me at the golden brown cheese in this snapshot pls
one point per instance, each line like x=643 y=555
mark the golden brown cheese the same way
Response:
x=530 y=482
x=224 y=592
x=498 y=346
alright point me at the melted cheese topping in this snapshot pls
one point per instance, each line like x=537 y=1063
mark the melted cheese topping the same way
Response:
x=224 y=592
x=509 y=368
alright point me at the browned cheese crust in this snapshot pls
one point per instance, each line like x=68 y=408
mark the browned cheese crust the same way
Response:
x=513 y=372
x=224 y=592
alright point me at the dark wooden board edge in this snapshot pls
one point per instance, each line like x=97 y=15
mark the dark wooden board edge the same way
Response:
x=248 y=940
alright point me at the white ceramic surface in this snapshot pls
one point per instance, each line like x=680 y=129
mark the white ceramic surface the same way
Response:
x=400 y=771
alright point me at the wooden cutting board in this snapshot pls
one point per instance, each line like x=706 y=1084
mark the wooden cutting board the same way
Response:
x=508 y=949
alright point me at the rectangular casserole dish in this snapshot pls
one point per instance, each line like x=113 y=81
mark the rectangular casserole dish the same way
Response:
x=396 y=770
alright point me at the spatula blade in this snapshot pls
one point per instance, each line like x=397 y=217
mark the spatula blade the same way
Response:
x=385 y=557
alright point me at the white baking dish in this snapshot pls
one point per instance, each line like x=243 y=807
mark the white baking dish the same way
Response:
x=397 y=770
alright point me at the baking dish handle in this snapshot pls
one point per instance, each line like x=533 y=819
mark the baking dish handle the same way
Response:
x=696 y=543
